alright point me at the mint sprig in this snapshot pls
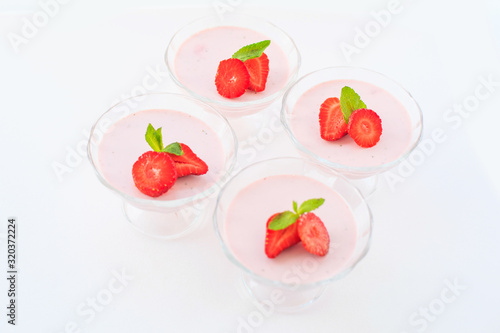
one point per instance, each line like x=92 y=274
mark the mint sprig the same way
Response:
x=173 y=148
x=310 y=205
x=349 y=102
x=283 y=220
x=153 y=138
x=287 y=218
x=155 y=141
x=251 y=51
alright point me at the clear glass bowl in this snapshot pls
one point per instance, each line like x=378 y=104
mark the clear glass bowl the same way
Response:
x=235 y=107
x=363 y=176
x=156 y=217
x=297 y=293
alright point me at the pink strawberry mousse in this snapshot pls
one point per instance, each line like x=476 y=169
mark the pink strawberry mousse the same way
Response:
x=246 y=229
x=124 y=142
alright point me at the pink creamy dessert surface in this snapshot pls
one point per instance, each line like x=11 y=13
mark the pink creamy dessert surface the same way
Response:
x=198 y=57
x=396 y=125
x=125 y=141
x=252 y=207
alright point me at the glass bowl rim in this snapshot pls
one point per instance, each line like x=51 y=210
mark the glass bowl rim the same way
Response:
x=342 y=167
x=234 y=106
x=164 y=203
x=227 y=251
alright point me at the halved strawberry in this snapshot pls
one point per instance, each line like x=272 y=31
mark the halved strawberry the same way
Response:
x=313 y=234
x=278 y=240
x=188 y=163
x=154 y=173
x=258 y=68
x=232 y=78
x=365 y=127
x=331 y=120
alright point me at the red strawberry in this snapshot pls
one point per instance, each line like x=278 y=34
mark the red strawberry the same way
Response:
x=278 y=240
x=313 y=234
x=154 y=173
x=258 y=68
x=188 y=163
x=232 y=78
x=331 y=120
x=365 y=127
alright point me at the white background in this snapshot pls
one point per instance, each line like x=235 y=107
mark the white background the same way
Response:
x=439 y=224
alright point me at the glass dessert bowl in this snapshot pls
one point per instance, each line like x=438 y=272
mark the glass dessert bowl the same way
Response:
x=400 y=115
x=265 y=188
x=194 y=53
x=117 y=140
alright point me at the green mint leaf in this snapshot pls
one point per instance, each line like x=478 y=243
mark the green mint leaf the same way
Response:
x=158 y=137
x=310 y=205
x=283 y=220
x=173 y=148
x=349 y=102
x=295 y=206
x=251 y=51
x=153 y=138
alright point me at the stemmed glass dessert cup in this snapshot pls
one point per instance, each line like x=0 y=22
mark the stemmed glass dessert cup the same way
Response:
x=295 y=278
x=173 y=214
x=403 y=115
x=202 y=58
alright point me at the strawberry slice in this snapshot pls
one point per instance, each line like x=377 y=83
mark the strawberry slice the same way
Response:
x=188 y=163
x=232 y=78
x=154 y=173
x=365 y=127
x=313 y=234
x=331 y=120
x=258 y=68
x=279 y=240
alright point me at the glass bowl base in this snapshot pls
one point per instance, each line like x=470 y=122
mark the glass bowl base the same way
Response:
x=163 y=225
x=367 y=186
x=248 y=126
x=280 y=299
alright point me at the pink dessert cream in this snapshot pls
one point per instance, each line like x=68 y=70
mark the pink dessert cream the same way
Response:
x=198 y=58
x=393 y=143
x=125 y=141
x=245 y=228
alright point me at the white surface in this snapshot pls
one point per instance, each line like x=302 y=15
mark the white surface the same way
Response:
x=440 y=224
